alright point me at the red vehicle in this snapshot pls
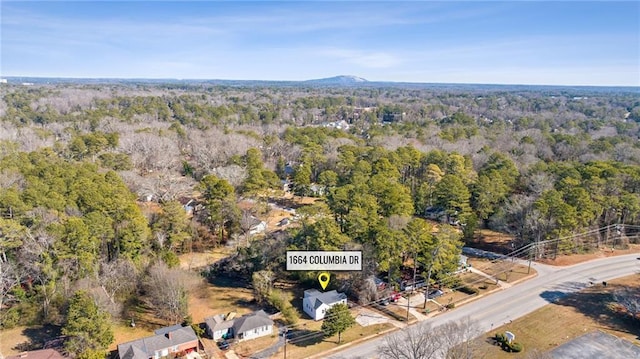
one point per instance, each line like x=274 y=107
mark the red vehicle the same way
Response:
x=392 y=298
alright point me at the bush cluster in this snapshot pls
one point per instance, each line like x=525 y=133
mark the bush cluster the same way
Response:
x=468 y=290
x=502 y=340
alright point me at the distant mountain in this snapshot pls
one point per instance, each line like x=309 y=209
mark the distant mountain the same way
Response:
x=338 y=80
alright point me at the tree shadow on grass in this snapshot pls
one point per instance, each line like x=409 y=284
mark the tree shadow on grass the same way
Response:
x=38 y=337
x=305 y=337
x=227 y=281
x=596 y=303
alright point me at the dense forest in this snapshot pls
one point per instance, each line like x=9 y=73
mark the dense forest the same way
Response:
x=94 y=177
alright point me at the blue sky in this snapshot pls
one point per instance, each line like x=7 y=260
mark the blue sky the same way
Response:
x=514 y=42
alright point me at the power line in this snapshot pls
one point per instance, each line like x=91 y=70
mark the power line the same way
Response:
x=509 y=256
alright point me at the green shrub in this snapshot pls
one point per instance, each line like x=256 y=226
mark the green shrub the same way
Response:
x=516 y=347
x=468 y=290
x=171 y=259
x=450 y=305
x=279 y=300
x=502 y=340
x=11 y=318
x=198 y=330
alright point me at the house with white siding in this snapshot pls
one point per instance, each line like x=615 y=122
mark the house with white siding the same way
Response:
x=246 y=327
x=254 y=325
x=316 y=303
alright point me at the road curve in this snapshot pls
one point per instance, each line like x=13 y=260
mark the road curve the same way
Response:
x=521 y=299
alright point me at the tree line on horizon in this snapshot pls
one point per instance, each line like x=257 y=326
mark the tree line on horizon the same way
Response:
x=78 y=162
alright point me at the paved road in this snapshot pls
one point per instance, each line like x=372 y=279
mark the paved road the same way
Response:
x=511 y=303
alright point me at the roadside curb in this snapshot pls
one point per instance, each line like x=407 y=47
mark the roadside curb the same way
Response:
x=430 y=315
x=474 y=298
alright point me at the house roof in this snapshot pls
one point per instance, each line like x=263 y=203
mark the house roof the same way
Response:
x=38 y=354
x=165 y=337
x=217 y=322
x=311 y=292
x=165 y=330
x=251 y=321
x=134 y=352
x=328 y=298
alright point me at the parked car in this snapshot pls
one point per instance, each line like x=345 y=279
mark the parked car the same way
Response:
x=223 y=345
x=392 y=298
x=434 y=294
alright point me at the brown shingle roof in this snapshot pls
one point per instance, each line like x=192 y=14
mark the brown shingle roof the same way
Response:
x=38 y=354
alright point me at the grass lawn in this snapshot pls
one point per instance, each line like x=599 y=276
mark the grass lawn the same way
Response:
x=557 y=323
x=481 y=283
x=14 y=340
x=394 y=311
x=202 y=259
x=452 y=297
x=247 y=348
x=223 y=296
x=566 y=260
x=316 y=344
x=506 y=271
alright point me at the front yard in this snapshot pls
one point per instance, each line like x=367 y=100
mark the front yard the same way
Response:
x=312 y=342
x=570 y=317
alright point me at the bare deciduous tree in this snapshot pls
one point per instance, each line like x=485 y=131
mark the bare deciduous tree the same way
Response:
x=418 y=342
x=262 y=282
x=117 y=279
x=167 y=289
x=454 y=340
x=459 y=338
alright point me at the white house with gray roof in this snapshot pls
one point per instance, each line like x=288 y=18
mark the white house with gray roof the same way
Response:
x=218 y=327
x=316 y=303
x=249 y=326
x=253 y=325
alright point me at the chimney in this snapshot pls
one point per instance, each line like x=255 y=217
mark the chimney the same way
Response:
x=169 y=335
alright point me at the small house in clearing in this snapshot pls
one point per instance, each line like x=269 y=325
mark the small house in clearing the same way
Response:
x=315 y=303
x=253 y=325
x=249 y=326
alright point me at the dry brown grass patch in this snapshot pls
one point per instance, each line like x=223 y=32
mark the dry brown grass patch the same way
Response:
x=568 y=318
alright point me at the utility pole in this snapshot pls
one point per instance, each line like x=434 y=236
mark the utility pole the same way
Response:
x=285 y=342
x=413 y=285
x=433 y=259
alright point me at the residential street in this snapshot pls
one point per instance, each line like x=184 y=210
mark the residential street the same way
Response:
x=518 y=300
